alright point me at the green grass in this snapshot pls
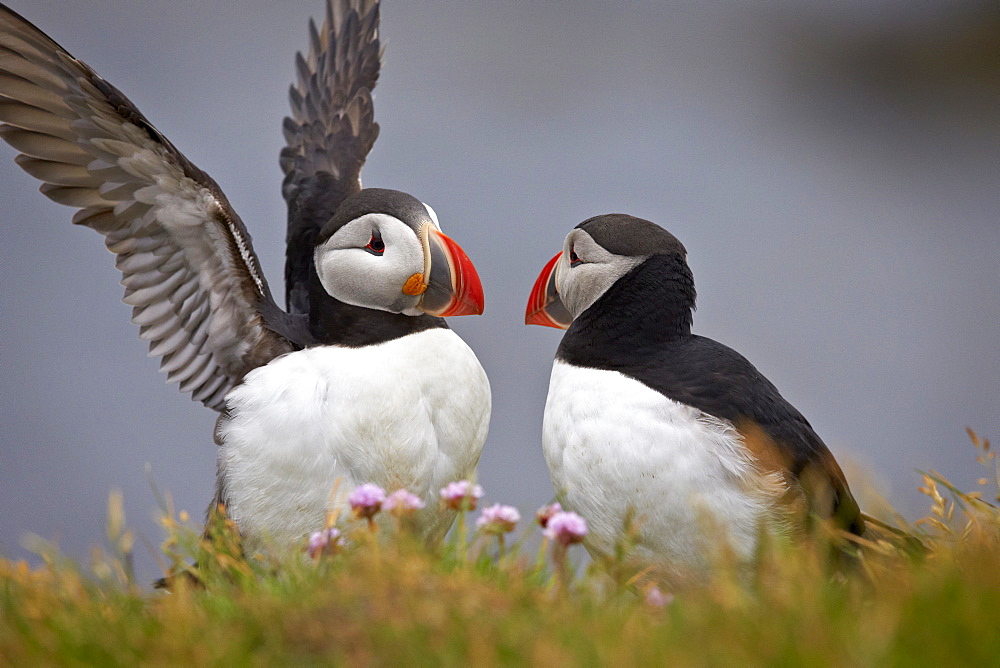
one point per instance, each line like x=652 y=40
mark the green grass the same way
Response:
x=393 y=602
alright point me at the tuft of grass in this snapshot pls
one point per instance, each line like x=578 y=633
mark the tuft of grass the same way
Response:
x=386 y=599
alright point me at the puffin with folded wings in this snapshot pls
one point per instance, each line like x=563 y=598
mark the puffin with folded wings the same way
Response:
x=360 y=380
x=649 y=423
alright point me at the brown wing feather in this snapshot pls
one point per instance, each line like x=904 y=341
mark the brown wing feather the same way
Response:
x=187 y=263
x=819 y=487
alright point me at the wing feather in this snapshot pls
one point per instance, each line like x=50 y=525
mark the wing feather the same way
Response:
x=330 y=132
x=54 y=172
x=187 y=262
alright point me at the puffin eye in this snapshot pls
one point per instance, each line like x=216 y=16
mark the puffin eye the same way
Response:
x=574 y=259
x=375 y=245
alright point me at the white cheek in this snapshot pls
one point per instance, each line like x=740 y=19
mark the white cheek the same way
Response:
x=575 y=285
x=355 y=276
x=578 y=288
x=565 y=285
x=581 y=286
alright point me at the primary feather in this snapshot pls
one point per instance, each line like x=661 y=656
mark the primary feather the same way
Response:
x=330 y=132
x=188 y=265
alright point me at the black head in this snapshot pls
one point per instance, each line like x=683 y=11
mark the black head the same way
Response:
x=622 y=234
x=401 y=206
x=384 y=251
x=616 y=269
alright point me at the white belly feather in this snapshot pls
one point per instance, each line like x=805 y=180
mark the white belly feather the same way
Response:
x=412 y=412
x=616 y=447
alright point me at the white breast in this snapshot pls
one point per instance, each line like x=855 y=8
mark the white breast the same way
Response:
x=616 y=448
x=412 y=412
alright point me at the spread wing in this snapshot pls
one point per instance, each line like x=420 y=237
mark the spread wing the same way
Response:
x=189 y=270
x=330 y=132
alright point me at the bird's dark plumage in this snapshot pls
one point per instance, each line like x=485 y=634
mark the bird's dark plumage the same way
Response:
x=622 y=234
x=646 y=420
x=641 y=327
x=330 y=132
x=354 y=383
x=199 y=298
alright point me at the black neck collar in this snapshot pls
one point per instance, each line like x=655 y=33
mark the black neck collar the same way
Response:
x=332 y=322
x=650 y=305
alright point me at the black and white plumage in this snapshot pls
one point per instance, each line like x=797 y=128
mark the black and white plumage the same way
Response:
x=645 y=417
x=361 y=379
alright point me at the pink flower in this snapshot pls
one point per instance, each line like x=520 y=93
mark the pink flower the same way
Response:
x=545 y=513
x=566 y=528
x=498 y=519
x=461 y=495
x=401 y=503
x=657 y=599
x=366 y=500
x=327 y=540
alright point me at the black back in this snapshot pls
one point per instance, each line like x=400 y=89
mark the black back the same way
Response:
x=641 y=327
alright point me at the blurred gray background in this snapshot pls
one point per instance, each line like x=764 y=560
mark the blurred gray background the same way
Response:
x=832 y=167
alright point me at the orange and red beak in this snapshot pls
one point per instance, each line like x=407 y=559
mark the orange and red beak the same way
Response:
x=451 y=285
x=544 y=305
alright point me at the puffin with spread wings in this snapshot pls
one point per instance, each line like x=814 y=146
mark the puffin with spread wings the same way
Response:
x=360 y=379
